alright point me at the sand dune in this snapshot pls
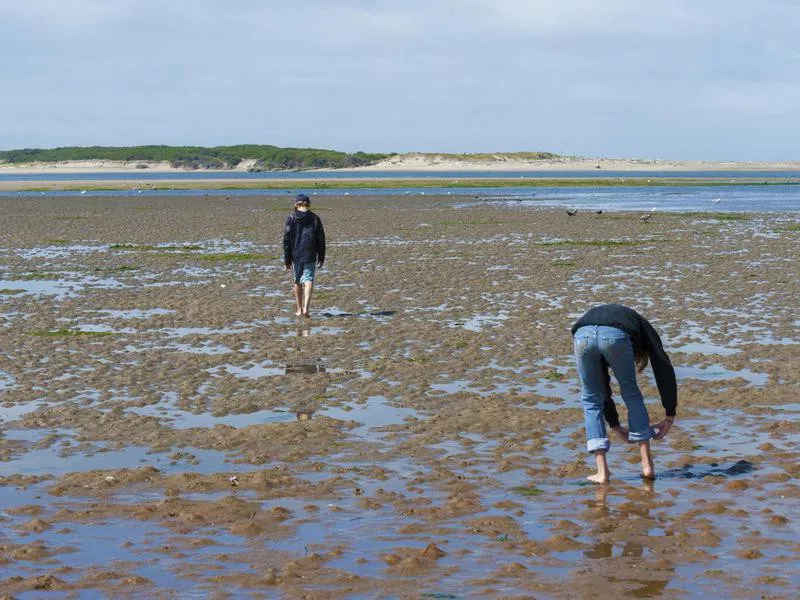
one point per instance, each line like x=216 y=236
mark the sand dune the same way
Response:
x=433 y=163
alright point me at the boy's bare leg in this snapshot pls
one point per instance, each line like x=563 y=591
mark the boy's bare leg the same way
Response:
x=298 y=298
x=602 y=469
x=307 y=298
x=648 y=468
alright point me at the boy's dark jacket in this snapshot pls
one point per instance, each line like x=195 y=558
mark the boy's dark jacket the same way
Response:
x=303 y=238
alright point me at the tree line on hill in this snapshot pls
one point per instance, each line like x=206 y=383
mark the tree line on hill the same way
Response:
x=268 y=158
x=264 y=157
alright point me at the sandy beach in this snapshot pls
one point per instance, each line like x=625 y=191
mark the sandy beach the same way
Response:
x=169 y=428
x=413 y=162
x=432 y=163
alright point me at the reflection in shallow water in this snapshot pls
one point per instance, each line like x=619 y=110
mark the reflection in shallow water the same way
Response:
x=53 y=460
x=67 y=286
x=376 y=412
x=6 y=381
x=479 y=322
x=305 y=331
x=304 y=368
x=720 y=373
x=304 y=415
x=169 y=414
x=379 y=315
x=269 y=368
x=134 y=313
x=16 y=411
x=705 y=348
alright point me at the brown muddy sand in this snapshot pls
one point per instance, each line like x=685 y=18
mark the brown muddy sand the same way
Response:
x=169 y=428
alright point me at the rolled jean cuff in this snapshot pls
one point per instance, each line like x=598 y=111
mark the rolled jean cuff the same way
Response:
x=642 y=436
x=598 y=444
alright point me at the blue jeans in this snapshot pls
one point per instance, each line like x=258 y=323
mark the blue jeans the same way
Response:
x=598 y=347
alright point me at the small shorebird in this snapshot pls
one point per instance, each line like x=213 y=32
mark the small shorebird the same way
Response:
x=572 y=212
x=647 y=217
x=599 y=211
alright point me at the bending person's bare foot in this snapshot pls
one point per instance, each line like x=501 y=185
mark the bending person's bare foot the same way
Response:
x=648 y=468
x=602 y=468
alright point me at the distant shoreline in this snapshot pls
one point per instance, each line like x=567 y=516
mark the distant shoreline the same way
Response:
x=420 y=162
x=114 y=186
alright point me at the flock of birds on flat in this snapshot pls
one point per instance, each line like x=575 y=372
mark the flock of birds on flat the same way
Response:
x=570 y=211
x=646 y=217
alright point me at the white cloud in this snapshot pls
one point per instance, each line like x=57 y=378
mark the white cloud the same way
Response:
x=574 y=75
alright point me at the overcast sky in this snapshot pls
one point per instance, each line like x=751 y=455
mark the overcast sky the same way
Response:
x=681 y=79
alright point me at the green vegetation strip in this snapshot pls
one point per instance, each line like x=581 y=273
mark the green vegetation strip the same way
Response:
x=265 y=157
x=717 y=216
x=119 y=269
x=38 y=276
x=149 y=248
x=72 y=333
x=188 y=251
x=528 y=491
x=602 y=243
x=231 y=256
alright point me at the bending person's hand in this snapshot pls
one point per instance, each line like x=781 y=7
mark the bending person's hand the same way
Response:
x=663 y=428
x=622 y=433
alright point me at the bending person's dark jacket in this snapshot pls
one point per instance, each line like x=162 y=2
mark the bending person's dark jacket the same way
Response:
x=303 y=238
x=643 y=335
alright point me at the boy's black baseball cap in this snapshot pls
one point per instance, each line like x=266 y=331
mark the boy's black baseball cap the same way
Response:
x=301 y=198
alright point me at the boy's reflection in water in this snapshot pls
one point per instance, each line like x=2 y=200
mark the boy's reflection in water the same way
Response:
x=304 y=368
x=648 y=580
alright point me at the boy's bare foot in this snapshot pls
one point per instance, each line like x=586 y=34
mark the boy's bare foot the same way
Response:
x=307 y=315
x=298 y=313
x=598 y=478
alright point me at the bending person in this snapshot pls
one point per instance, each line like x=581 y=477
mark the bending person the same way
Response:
x=303 y=249
x=618 y=337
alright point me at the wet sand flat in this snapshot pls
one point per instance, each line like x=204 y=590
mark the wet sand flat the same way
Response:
x=167 y=427
x=365 y=181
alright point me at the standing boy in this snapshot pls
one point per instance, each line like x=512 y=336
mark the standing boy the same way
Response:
x=303 y=250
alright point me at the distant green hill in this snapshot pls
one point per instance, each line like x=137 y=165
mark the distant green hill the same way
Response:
x=267 y=158
x=270 y=158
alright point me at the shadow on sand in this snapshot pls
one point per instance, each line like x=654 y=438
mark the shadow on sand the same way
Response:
x=740 y=467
